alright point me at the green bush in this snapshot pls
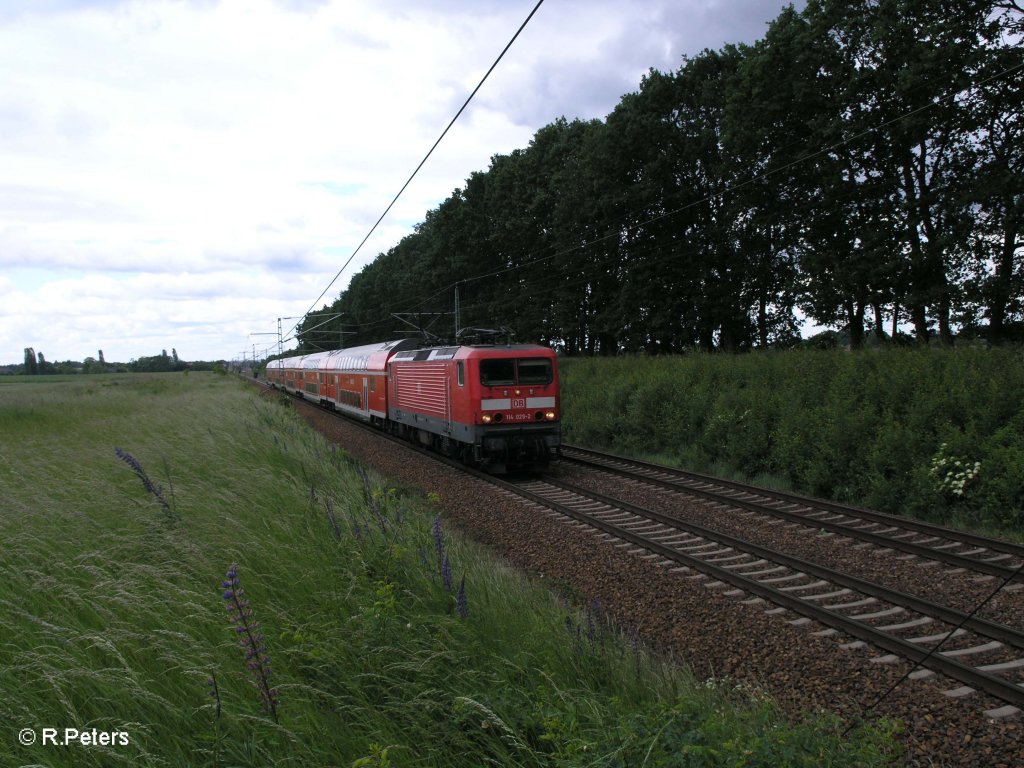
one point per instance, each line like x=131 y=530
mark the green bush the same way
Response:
x=866 y=428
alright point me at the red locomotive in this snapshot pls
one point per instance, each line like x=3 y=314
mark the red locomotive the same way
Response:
x=492 y=406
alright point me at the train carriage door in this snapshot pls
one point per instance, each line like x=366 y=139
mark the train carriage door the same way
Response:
x=448 y=403
x=366 y=400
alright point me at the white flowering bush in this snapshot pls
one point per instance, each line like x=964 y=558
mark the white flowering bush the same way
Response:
x=951 y=473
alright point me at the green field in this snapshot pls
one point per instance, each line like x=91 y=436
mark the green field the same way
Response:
x=113 y=617
x=934 y=433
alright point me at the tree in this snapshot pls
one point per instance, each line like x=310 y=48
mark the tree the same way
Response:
x=692 y=251
x=155 y=364
x=541 y=207
x=864 y=162
x=996 y=283
x=919 y=55
x=31 y=365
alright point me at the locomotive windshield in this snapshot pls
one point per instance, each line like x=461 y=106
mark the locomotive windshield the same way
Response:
x=506 y=372
x=497 y=373
x=534 y=371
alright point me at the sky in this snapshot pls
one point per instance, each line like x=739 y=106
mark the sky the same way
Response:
x=179 y=174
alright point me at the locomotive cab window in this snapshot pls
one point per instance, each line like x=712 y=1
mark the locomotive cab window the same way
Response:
x=502 y=373
x=461 y=368
x=534 y=371
x=497 y=373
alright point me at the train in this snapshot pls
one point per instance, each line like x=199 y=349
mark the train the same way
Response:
x=493 y=406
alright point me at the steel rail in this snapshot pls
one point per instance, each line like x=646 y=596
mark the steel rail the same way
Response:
x=996 y=686
x=952 y=616
x=978 y=679
x=1007 y=547
x=921 y=550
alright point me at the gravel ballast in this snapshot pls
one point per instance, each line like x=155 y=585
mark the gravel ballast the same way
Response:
x=716 y=635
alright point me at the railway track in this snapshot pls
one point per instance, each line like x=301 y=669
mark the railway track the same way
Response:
x=958 y=549
x=980 y=654
x=937 y=638
x=637 y=585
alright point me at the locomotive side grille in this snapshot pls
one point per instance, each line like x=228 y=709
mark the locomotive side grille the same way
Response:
x=422 y=387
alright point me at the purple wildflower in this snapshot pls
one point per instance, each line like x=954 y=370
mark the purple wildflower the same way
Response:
x=214 y=692
x=461 y=603
x=374 y=497
x=335 y=528
x=438 y=538
x=250 y=639
x=148 y=484
x=634 y=641
x=446 y=574
x=594 y=623
x=371 y=497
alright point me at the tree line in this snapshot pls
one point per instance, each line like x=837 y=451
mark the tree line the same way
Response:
x=36 y=364
x=862 y=166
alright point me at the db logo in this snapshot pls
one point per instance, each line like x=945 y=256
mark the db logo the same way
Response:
x=518 y=403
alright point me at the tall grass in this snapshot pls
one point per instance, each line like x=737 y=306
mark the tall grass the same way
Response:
x=893 y=429
x=359 y=630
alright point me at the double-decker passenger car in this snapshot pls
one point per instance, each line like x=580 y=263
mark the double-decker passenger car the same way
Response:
x=495 y=406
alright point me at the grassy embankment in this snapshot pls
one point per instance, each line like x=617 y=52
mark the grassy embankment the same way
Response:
x=933 y=433
x=112 y=610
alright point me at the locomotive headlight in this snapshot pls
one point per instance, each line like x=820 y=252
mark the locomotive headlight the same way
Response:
x=550 y=415
x=486 y=418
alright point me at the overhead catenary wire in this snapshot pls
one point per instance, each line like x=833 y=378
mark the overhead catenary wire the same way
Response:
x=619 y=231
x=425 y=158
x=621 y=228
x=873 y=706
x=635 y=226
x=729 y=188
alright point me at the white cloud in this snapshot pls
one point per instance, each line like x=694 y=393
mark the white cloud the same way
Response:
x=180 y=174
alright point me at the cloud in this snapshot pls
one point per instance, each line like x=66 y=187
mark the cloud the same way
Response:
x=132 y=316
x=7 y=287
x=25 y=203
x=198 y=168
x=337 y=188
